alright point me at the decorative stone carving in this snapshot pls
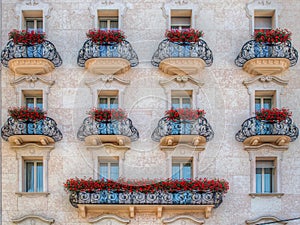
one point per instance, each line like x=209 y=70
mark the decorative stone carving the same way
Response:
x=265 y=219
x=107 y=66
x=181 y=66
x=111 y=217
x=174 y=219
x=33 y=220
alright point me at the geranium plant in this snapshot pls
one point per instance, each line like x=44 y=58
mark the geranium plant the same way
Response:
x=273 y=115
x=272 y=36
x=185 y=35
x=146 y=186
x=26 y=37
x=99 y=114
x=27 y=114
x=184 y=114
x=106 y=36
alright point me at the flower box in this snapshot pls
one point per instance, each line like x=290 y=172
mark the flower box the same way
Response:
x=27 y=114
x=272 y=36
x=26 y=37
x=106 y=115
x=273 y=115
x=184 y=114
x=106 y=37
x=183 y=36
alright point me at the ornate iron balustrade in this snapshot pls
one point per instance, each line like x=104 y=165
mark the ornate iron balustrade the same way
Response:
x=253 y=49
x=113 y=50
x=167 y=49
x=156 y=198
x=113 y=127
x=253 y=127
x=47 y=127
x=44 y=50
x=167 y=127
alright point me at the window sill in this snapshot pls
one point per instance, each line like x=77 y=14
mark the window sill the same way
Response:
x=278 y=195
x=32 y=194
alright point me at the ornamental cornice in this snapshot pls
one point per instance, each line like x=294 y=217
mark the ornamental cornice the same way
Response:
x=267 y=79
x=263 y=219
x=183 y=217
x=33 y=217
x=31 y=79
x=181 y=79
x=109 y=217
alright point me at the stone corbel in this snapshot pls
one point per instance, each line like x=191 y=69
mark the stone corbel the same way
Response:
x=181 y=79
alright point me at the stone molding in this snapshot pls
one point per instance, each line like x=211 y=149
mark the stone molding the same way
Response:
x=33 y=218
x=181 y=79
x=257 y=141
x=107 y=66
x=109 y=217
x=183 y=217
x=193 y=142
x=263 y=218
x=36 y=140
x=265 y=78
x=266 y=66
x=278 y=195
x=181 y=66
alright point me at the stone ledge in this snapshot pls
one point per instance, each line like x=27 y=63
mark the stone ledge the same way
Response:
x=276 y=141
x=84 y=209
x=278 y=195
x=170 y=142
x=32 y=194
x=116 y=141
x=181 y=66
x=30 y=66
x=266 y=66
x=107 y=66
x=39 y=140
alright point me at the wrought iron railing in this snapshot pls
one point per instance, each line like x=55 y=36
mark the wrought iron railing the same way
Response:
x=253 y=127
x=168 y=49
x=156 y=198
x=44 y=50
x=253 y=49
x=109 y=50
x=167 y=127
x=47 y=127
x=112 y=127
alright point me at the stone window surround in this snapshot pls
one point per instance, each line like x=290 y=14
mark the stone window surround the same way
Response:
x=27 y=152
x=32 y=5
x=263 y=5
x=112 y=5
x=45 y=93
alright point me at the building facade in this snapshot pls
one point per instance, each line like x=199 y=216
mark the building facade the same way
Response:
x=226 y=73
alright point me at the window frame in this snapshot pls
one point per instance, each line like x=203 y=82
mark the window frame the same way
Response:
x=108 y=161
x=273 y=176
x=25 y=175
x=35 y=94
x=108 y=95
x=181 y=95
x=182 y=161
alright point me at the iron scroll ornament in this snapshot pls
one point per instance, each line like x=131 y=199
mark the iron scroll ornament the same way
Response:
x=167 y=49
x=113 y=127
x=91 y=50
x=167 y=127
x=44 y=50
x=47 y=127
x=252 y=127
x=253 y=49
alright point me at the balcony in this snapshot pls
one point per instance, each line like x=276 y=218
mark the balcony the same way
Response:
x=115 y=133
x=258 y=58
x=43 y=132
x=257 y=133
x=188 y=133
x=182 y=58
x=169 y=196
x=35 y=59
x=107 y=58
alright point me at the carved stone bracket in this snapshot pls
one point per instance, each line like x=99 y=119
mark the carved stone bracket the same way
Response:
x=33 y=218
x=265 y=219
x=181 y=79
x=109 y=217
x=106 y=66
x=181 y=66
x=183 y=217
x=32 y=79
x=264 y=78
x=193 y=142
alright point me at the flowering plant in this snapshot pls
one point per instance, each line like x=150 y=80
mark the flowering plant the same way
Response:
x=273 y=115
x=184 y=114
x=107 y=114
x=272 y=36
x=186 y=35
x=106 y=36
x=26 y=37
x=147 y=186
x=27 y=114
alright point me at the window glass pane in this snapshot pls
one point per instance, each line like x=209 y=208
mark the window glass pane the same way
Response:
x=187 y=171
x=263 y=22
x=103 y=170
x=267 y=103
x=114 y=171
x=103 y=24
x=186 y=103
x=175 y=103
x=268 y=180
x=175 y=171
x=29 y=179
x=29 y=25
x=29 y=102
x=103 y=103
x=39 y=103
x=114 y=24
x=258 y=180
x=257 y=104
x=114 y=103
x=39 y=177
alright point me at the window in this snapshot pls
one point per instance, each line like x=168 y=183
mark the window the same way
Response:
x=33 y=177
x=181 y=19
x=181 y=99
x=33 y=20
x=32 y=98
x=264 y=19
x=109 y=168
x=264 y=99
x=182 y=168
x=265 y=175
x=108 y=19
x=108 y=100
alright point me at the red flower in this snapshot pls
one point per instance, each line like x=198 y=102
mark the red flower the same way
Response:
x=186 y=35
x=106 y=36
x=27 y=114
x=26 y=37
x=272 y=36
x=273 y=115
x=107 y=114
x=184 y=114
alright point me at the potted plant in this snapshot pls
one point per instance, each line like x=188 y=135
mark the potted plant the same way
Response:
x=273 y=115
x=26 y=37
x=273 y=36
x=106 y=36
x=184 y=36
x=107 y=115
x=184 y=114
x=24 y=113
